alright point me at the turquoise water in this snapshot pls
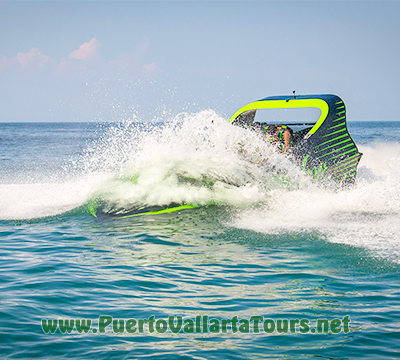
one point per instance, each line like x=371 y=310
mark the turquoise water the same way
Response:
x=272 y=248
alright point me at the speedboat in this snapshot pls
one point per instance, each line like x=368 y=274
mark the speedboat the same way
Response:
x=323 y=148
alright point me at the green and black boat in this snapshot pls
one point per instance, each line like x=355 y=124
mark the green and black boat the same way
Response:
x=324 y=148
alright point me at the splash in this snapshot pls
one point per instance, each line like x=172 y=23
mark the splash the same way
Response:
x=196 y=159
x=201 y=159
x=366 y=215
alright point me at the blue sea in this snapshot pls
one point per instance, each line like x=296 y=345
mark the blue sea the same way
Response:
x=271 y=245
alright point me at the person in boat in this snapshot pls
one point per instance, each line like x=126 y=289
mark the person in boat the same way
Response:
x=284 y=136
x=279 y=134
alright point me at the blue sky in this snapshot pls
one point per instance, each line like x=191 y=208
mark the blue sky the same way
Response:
x=100 y=60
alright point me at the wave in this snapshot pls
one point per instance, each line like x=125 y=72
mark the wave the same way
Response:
x=201 y=159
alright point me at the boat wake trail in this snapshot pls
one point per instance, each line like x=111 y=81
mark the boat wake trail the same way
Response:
x=366 y=215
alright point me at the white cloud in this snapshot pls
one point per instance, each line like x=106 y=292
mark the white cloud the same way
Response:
x=33 y=59
x=86 y=51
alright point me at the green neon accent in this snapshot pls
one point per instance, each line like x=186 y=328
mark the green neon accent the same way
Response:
x=92 y=206
x=333 y=145
x=343 y=123
x=304 y=163
x=346 y=152
x=340 y=107
x=339 y=102
x=351 y=174
x=336 y=150
x=334 y=133
x=92 y=210
x=339 y=137
x=341 y=112
x=347 y=167
x=165 y=211
x=346 y=161
x=316 y=172
x=319 y=172
x=350 y=160
x=338 y=119
x=350 y=157
x=289 y=104
x=135 y=179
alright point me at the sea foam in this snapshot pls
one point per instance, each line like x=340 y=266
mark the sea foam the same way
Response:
x=202 y=159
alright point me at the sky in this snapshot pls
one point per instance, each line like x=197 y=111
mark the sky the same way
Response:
x=151 y=60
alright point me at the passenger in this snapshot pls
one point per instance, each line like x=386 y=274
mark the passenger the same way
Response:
x=278 y=134
x=284 y=136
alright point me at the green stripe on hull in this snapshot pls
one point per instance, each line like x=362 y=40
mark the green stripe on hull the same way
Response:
x=320 y=157
x=353 y=165
x=334 y=133
x=330 y=146
x=351 y=160
x=346 y=152
x=349 y=175
x=339 y=137
x=342 y=124
x=340 y=118
x=164 y=211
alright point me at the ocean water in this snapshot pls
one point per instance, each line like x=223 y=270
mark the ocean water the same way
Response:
x=261 y=241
